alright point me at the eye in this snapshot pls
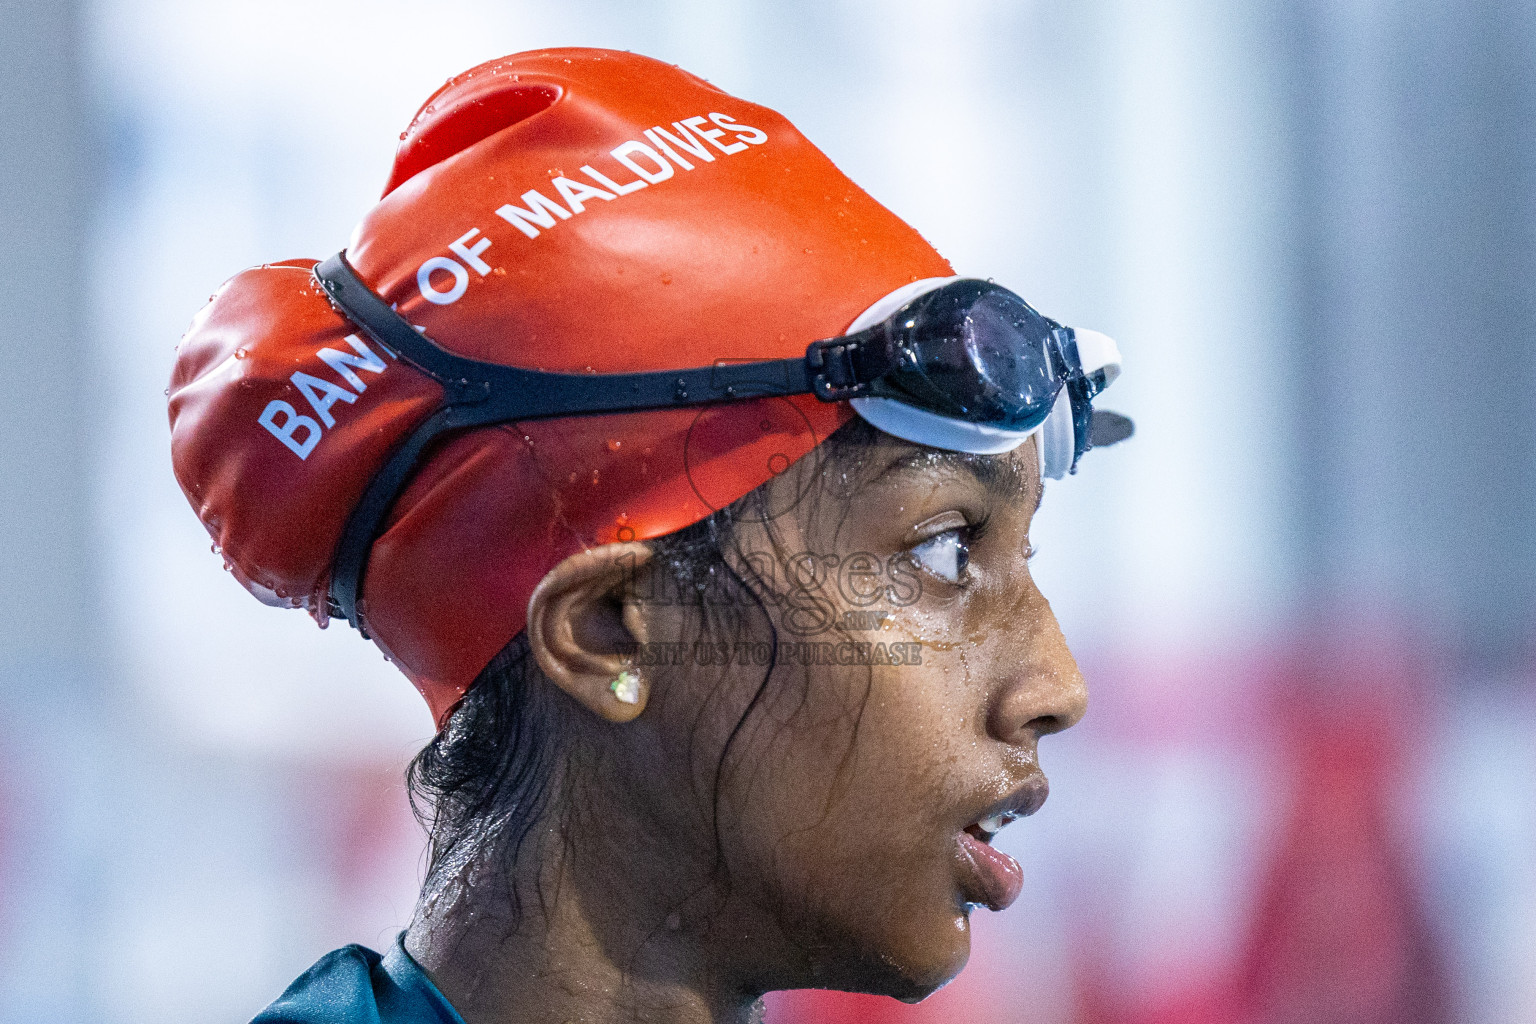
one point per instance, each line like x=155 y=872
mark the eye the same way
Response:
x=944 y=554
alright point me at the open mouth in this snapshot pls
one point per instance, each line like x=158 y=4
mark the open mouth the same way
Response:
x=989 y=877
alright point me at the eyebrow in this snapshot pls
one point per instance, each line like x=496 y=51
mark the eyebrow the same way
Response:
x=999 y=475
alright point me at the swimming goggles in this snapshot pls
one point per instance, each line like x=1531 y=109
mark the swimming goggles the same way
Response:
x=958 y=363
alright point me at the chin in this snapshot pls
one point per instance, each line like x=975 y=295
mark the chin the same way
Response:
x=906 y=960
x=933 y=961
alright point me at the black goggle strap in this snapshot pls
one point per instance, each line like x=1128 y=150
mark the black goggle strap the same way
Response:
x=511 y=392
x=477 y=393
x=363 y=524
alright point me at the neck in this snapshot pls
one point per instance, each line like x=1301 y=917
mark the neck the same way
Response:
x=578 y=948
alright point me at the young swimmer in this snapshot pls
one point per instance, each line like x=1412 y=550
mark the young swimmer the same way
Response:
x=693 y=492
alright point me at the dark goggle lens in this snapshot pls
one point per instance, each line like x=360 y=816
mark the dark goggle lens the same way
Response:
x=976 y=351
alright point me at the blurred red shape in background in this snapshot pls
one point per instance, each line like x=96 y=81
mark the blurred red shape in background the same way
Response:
x=1341 y=934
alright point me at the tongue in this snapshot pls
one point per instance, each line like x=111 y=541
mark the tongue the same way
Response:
x=999 y=874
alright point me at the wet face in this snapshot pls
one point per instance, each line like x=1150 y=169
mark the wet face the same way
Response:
x=854 y=787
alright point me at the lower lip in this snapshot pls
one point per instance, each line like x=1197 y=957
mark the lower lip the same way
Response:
x=995 y=878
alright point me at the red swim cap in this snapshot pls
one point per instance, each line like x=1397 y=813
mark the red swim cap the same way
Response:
x=571 y=210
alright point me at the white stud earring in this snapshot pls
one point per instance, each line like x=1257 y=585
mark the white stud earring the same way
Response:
x=626 y=686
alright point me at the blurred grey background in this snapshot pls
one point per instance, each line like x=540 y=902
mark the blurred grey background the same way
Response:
x=1311 y=226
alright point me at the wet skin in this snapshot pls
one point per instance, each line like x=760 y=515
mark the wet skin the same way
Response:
x=736 y=831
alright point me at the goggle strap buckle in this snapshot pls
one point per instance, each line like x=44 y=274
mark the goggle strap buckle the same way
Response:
x=847 y=367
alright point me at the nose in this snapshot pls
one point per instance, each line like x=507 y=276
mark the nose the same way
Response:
x=1043 y=691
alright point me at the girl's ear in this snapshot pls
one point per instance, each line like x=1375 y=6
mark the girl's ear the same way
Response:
x=584 y=624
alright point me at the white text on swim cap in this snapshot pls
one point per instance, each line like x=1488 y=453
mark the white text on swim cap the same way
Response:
x=321 y=394
x=649 y=163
